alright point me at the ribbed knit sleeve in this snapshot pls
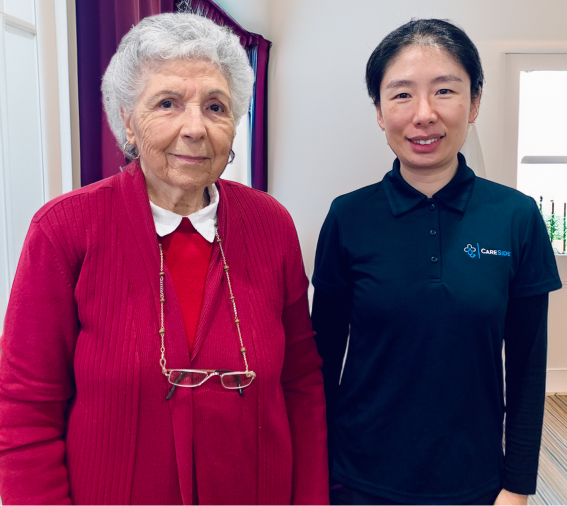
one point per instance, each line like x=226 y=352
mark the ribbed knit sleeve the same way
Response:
x=68 y=376
x=302 y=382
x=36 y=375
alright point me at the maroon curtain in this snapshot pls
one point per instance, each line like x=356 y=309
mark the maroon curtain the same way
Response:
x=259 y=115
x=101 y=24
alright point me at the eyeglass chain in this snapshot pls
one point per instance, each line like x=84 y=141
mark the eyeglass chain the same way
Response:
x=162 y=361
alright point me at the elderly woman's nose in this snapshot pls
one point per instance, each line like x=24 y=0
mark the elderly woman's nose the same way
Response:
x=425 y=112
x=193 y=123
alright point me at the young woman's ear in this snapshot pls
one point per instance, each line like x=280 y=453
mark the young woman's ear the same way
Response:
x=380 y=117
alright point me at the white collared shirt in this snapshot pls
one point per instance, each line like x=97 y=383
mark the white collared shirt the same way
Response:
x=203 y=220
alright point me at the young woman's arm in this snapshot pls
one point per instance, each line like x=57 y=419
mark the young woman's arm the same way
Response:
x=525 y=338
x=330 y=316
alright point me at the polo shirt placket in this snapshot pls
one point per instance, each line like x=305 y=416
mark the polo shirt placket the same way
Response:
x=434 y=242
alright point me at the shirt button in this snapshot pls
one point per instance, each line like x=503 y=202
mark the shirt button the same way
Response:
x=434 y=259
x=433 y=232
x=432 y=207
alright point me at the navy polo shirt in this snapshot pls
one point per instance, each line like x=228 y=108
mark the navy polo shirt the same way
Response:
x=420 y=407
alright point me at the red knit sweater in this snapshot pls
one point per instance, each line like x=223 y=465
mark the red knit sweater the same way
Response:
x=83 y=409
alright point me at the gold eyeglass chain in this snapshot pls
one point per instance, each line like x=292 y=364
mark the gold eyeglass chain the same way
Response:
x=162 y=361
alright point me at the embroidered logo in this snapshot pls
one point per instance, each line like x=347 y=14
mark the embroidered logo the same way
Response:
x=473 y=252
x=470 y=250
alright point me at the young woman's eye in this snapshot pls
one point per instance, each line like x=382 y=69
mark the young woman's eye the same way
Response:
x=402 y=95
x=167 y=104
x=444 y=91
x=217 y=108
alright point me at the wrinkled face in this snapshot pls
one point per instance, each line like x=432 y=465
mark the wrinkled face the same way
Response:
x=182 y=125
x=425 y=107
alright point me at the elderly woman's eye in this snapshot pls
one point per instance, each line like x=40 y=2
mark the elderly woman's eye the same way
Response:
x=167 y=104
x=217 y=108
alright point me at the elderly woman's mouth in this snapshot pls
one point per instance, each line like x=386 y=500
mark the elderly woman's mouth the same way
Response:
x=191 y=159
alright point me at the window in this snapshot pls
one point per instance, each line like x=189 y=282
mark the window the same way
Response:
x=537 y=83
x=542 y=148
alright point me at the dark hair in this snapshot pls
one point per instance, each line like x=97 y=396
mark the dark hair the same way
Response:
x=424 y=32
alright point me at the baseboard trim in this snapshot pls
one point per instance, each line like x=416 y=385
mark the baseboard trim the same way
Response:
x=556 y=381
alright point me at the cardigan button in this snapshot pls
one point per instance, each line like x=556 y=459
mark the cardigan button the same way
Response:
x=433 y=232
x=434 y=259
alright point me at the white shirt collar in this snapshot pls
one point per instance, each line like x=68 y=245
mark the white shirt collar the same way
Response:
x=203 y=220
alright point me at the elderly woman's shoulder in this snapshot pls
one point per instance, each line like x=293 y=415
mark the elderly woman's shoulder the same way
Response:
x=73 y=198
x=254 y=203
x=64 y=222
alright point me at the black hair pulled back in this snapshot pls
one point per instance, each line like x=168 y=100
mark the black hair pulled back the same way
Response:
x=425 y=32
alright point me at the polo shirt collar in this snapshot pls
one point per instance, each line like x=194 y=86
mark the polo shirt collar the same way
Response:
x=203 y=220
x=403 y=197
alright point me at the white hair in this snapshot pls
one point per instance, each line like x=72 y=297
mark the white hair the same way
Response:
x=166 y=37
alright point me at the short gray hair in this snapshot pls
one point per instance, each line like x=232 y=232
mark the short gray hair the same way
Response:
x=166 y=37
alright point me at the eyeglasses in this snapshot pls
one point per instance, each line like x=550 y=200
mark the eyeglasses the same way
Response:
x=231 y=380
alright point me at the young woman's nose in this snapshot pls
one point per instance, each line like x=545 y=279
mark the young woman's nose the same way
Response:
x=425 y=112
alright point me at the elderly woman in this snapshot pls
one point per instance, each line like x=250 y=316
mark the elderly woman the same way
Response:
x=157 y=345
x=432 y=269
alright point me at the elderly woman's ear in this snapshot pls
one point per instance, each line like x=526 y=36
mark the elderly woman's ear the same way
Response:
x=126 y=117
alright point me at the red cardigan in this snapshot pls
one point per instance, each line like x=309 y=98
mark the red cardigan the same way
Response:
x=83 y=410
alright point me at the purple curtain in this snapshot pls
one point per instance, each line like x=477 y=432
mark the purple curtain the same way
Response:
x=101 y=24
x=258 y=49
x=259 y=116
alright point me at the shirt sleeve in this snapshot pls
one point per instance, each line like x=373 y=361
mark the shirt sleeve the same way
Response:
x=36 y=376
x=525 y=336
x=331 y=310
x=332 y=273
x=537 y=270
x=331 y=322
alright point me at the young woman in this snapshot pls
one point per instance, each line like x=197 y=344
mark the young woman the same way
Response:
x=431 y=271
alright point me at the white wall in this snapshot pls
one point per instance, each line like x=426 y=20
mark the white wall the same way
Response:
x=323 y=136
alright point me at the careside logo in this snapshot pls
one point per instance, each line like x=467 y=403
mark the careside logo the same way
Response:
x=473 y=252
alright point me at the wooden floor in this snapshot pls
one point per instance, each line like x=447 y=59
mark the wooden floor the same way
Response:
x=552 y=477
